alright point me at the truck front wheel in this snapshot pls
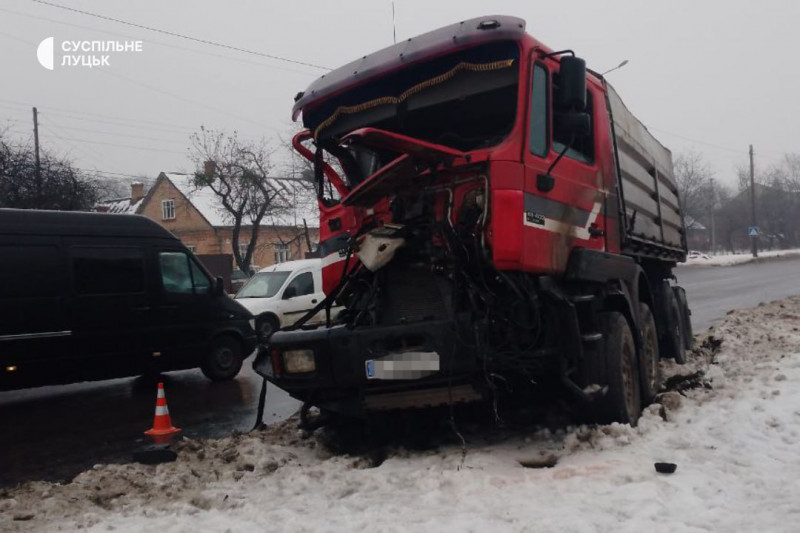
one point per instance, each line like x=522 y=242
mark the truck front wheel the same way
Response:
x=622 y=400
x=223 y=359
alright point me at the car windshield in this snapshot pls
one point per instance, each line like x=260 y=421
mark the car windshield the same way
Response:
x=263 y=285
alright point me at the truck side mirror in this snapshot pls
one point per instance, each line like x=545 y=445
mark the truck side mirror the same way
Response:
x=572 y=84
x=572 y=124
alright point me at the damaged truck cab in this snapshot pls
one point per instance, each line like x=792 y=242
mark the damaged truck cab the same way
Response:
x=495 y=223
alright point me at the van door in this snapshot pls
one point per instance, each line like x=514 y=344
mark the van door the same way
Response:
x=298 y=298
x=112 y=307
x=185 y=310
x=34 y=325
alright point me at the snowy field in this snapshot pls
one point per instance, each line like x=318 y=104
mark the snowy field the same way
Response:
x=733 y=435
x=736 y=259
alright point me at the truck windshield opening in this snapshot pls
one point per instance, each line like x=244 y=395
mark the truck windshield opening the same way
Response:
x=466 y=100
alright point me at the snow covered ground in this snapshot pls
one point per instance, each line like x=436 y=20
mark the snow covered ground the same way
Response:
x=736 y=259
x=734 y=438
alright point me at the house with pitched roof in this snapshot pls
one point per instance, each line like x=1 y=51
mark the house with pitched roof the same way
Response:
x=196 y=216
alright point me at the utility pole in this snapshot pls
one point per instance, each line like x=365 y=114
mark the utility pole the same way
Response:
x=713 y=208
x=38 y=168
x=754 y=238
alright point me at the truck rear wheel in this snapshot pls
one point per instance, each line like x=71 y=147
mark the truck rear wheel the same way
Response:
x=266 y=325
x=223 y=359
x=675 y=334
x=650 y=369
x=622 y=401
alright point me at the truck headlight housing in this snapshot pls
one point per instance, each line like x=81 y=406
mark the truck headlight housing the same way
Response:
x=299 y=361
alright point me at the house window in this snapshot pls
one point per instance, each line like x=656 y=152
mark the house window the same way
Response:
x=281 y=253
x=243 y=249
x=192 y=248
x=168 y=209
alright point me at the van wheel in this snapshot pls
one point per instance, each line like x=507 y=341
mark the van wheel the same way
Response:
x=650 y=369
x=622 y=401
x=223 y=360
x=266 y=325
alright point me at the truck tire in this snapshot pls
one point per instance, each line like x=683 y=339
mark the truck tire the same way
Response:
x=675 y=334
x=266 y=325
x=650 y=370
x=223 y=359
x=622 y=401
x=686 y=316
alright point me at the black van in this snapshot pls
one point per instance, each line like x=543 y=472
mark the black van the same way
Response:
x=88 y=296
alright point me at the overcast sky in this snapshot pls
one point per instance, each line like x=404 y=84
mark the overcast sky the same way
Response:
x=711 y=76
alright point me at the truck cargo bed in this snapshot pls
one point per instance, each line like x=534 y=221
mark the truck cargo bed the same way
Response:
x=651 y=221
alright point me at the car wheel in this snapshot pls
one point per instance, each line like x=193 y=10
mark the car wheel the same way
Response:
x=266 y=325
x=650 y=369
x=223 y=360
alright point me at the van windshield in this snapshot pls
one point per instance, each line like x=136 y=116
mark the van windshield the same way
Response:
x=263 y=285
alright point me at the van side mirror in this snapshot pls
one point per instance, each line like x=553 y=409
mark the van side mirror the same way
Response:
x=290 y=292
x=219 y=286
x=572 y=81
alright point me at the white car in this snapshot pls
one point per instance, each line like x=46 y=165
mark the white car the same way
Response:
x=279 y=295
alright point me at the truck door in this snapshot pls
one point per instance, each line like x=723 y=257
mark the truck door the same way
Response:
x=567 y=211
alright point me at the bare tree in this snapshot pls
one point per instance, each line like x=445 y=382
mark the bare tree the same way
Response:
x=239 y=172
x=694 y=176
x=63 y=187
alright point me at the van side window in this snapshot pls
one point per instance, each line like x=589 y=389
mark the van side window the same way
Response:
x=175 y=274
x=107 y=269
x=304 y=284
x=29 y=271
x=202 y=284
x=581 y=149
x=181 y=275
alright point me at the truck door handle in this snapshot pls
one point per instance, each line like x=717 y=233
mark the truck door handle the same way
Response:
x=141 y=309
x=314 y=301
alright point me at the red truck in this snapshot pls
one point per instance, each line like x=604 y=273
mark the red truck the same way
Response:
x=496 y=224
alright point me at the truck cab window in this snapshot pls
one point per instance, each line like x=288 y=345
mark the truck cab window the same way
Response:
x=582 y=148
x=538 y=118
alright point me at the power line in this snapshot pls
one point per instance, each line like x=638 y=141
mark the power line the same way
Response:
x=150 y=41
x=181 y=36
x=143 y=148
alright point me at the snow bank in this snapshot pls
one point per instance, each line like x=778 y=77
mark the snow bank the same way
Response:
x=732 y=430
x=737 y=259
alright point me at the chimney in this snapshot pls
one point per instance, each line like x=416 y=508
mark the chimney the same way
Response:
x=137 y=192
x=208 y=168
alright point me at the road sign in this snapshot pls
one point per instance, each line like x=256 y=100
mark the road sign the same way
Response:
x=752 y=231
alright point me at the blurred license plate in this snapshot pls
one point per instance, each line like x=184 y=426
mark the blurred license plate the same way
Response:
x=404 y=365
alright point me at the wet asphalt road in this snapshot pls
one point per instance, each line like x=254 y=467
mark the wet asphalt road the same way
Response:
x=54 y=433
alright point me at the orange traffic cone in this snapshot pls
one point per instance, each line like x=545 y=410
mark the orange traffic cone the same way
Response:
x=162 y=424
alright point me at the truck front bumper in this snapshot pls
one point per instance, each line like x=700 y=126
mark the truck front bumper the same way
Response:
x=353 y=371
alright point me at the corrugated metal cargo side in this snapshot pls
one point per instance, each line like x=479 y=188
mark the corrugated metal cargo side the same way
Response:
x=653 y=225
